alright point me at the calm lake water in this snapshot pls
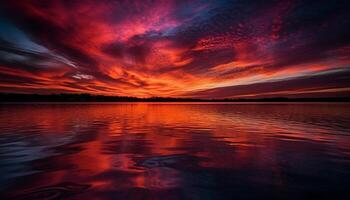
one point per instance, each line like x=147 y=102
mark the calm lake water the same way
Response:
x=174 y=151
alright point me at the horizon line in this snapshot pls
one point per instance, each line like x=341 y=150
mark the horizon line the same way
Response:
x=86 y=97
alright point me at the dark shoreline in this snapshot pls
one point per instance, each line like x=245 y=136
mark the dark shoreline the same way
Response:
x=12 y=97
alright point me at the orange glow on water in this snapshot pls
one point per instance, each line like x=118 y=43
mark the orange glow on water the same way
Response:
x=148 y=146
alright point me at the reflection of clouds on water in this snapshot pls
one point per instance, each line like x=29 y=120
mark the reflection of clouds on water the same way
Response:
x=164 y=171
x=161 y=178
x=19 y=149
x=196 y=150
x=61 y=191
x=161 y=161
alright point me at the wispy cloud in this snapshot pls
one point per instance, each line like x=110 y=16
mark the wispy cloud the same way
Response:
x=211 y=49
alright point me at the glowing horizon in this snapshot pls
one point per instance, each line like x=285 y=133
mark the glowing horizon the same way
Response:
x=198 y=49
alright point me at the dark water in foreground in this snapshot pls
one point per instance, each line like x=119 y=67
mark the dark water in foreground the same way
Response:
x=174 y=151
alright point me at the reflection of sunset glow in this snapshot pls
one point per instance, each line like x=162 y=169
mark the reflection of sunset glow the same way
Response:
x=116 y=148
x=179 y=49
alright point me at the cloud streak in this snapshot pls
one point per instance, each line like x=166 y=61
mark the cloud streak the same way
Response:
x=178 y=48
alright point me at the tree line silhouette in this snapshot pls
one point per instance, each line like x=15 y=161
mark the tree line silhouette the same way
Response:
x=67 y=97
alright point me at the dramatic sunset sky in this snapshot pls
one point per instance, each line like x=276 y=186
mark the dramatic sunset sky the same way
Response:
x=176 y=48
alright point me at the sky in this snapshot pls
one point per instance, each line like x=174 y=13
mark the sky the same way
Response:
x=176 y=48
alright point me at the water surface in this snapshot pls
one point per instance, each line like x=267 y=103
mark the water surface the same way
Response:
x=174 y=151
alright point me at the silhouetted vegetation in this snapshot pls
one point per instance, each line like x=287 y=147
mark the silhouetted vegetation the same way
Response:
x=12 y=97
